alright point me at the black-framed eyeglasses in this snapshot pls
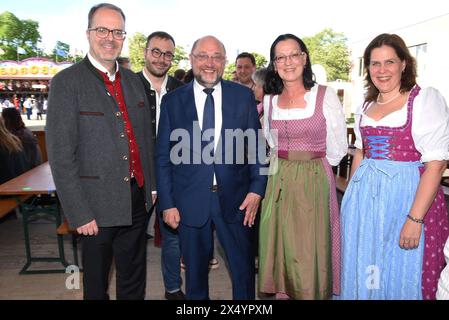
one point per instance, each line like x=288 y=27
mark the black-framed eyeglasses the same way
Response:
x=103 y=32
x=156 y=53
x=204 y=57
x=293 y=57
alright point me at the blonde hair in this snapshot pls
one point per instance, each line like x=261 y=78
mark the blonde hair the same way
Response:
x=9 y=141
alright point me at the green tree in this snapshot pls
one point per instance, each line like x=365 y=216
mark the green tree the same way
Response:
x=180 y=56
x=16 y=33
x=329 y=49
x=229 y=69
x=137 y=45
x=261 y=62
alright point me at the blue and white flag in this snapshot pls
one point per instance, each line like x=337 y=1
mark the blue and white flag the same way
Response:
x=61 y=53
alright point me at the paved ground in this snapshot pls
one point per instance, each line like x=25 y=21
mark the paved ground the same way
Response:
x=34 y=124
x=53 y=286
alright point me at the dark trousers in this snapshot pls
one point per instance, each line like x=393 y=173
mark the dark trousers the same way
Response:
x=127 y=246
x=238 y=244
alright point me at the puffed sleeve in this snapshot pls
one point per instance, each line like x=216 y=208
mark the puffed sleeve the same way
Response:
x=336 y=139
x=430 y=126
x=269 y=134
x=358 y=136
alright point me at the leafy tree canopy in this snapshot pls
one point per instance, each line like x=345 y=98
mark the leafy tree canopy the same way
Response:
x=136 y=48
x=329 y=49
x=181 y=57
x=18 y=38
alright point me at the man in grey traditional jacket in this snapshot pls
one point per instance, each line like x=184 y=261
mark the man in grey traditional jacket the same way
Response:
x=100 y=152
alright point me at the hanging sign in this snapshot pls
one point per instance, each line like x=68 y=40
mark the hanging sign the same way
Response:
x=32 y=68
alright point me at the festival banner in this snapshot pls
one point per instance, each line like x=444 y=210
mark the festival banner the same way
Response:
x=31 y=68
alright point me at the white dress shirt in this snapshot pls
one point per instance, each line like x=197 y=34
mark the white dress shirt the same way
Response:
x=100 y=67
x=200 y=100
x=158 y=95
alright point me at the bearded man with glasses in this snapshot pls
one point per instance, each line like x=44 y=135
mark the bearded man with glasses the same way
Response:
x=100 y=152
x=158 y=54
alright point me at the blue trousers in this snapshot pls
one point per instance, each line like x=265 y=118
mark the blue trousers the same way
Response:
x=170 y=257
x=238 y=244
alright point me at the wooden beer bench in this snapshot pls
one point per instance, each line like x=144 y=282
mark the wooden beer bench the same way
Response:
x=7 y=204
x=35 y=182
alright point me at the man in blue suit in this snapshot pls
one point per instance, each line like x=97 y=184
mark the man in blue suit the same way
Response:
x=210 y=170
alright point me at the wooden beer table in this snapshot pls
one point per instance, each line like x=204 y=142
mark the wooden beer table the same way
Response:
x=38 y=181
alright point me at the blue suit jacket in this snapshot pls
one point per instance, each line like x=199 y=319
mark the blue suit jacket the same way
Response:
x=186 y=185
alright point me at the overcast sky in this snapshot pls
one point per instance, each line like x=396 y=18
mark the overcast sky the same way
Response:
x=242 y=25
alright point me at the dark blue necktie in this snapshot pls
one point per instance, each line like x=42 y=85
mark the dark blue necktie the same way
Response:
x=209 y=113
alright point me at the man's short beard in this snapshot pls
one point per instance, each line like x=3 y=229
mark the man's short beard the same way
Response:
x=206 y=84
x=248 y=81
x=157 y=75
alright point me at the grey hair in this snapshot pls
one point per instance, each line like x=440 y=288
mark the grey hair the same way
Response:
x=259 y=76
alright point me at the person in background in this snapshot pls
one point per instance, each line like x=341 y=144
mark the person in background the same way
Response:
x=28 y=107
x=12 y=160
x=124 y=62
x=259 y=82
x=159 y=52
x=40 y=108
x=15 y=125
x=6 y=103
x=245 y=65
x=299 y=240
x=15 y=101
x=33 y=104
x=234 y=77
x=394 y=217
x=179 y=74
x=12 y=157
x=21 y=106
x=188 y=76
x=100 y=152
x=45 y=106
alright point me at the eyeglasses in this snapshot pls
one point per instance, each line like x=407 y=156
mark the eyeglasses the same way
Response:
x=156 y=53
x=295 y=57
x=102 y=32
x=204 y=57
